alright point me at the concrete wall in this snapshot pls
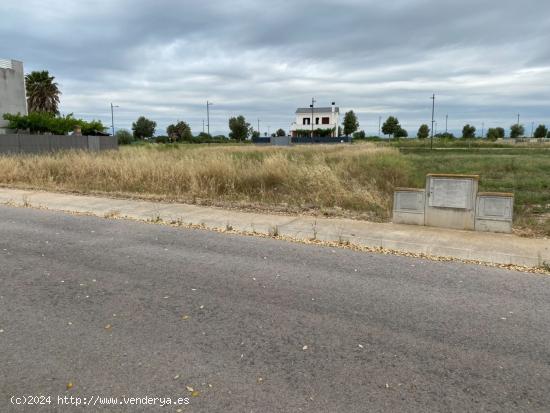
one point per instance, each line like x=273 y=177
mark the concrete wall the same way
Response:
x=12 y=143
x=322 y=139
x=280 y=140
x=12 y=90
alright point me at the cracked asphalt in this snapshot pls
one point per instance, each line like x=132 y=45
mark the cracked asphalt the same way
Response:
x=92 y=307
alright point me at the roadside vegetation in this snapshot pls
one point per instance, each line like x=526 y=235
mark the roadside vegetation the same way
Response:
x=333 y=180
x=340 y=180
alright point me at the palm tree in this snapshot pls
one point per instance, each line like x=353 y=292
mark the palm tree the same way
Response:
x=42 y=92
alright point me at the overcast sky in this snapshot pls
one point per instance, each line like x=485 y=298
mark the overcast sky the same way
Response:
x=486 y=60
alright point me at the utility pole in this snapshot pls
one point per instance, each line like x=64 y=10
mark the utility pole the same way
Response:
x=259 y=126
x=379 y=124
x=208 y=104
x=311 y=106
x=518 y=119
x=446 y=121
x=203 y=126
x=532 y=129
x=433 y=112
x=482 y=129
x=113 y=117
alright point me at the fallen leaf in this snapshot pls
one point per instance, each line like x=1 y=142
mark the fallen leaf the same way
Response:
x=189 y=388
x=185 y=317
x=304 y=348
x=108 y=327
x=195 y=393
x=70 y=385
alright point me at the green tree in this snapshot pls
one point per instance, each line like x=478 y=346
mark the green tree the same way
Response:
x=541 y=132
x=423 y=131
x=93 y=128
x=359 y=135
x=493 y=134
x=281 y=132
x=240 y=128
x=400 y=133
x=143 y=128
x=468 y=132
x=42 y=92
x=255 y=134
x=351 y=124
x=124 y=137
x=516 y=131
x=390 y=126
x=179 y=132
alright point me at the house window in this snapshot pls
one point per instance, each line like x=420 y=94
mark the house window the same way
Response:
x=326 y=121
x=306 y=121
x=316 y=121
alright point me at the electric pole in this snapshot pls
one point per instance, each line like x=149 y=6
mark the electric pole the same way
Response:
x=433 y=112
x=113 y=117
x=259 y=126
x=311 y=106
x=379 y=124
x=208 y=104
x=482 y=129
x=446 y=121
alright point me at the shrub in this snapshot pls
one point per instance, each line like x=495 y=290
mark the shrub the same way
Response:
x=124 y=137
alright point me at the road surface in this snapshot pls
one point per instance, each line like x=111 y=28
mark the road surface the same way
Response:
x=96 y=308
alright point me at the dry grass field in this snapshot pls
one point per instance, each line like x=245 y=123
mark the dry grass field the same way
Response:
x=353 y=180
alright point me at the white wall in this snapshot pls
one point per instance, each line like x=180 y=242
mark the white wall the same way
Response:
x=12 y=89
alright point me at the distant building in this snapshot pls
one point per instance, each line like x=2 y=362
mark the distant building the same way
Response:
x=324 y=118
x=12 y=90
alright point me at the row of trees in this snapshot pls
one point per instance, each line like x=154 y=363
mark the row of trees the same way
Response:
x=181 y=131
x=469 y=132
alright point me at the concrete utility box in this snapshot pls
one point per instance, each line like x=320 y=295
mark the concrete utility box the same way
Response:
x=494 y=211
x=408 y=206
x=450 y=201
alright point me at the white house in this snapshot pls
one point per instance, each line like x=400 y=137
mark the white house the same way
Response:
x=308 y=119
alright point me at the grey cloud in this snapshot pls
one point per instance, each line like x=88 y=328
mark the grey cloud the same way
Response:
x=262 y=58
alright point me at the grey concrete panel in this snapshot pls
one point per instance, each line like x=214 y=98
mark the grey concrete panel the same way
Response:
x=108 y=143
x=12 y=143
x=280 y=140
x=34 y=143
x=93 y=143
x=451 y=201
x=494 y=212
x=408 y=206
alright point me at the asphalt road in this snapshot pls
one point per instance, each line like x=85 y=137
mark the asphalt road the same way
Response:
x=119 y=308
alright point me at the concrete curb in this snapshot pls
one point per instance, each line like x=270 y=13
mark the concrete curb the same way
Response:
x=502 y=249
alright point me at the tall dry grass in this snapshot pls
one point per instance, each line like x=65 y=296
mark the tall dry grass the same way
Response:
x=358 y=178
